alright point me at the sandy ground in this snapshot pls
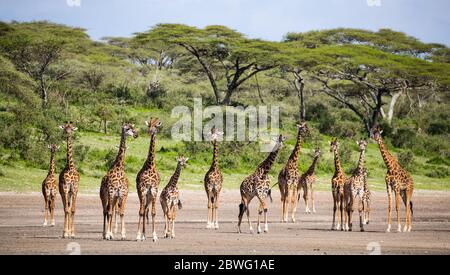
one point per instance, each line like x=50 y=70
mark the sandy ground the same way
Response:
x=21 y=231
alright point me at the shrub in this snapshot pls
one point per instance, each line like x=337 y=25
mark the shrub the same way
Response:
x=404 y=137
x=438 y=173
x=406 y=159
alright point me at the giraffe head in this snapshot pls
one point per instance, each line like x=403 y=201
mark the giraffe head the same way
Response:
x=279 y=143
x=334 y=145
x=303 y=128
x=68 y=128
x=317 y=152
x=153 y=125
x=362 y=144
x=215 y=134
x=182 y=161
x=375 y=133
x=53 y=148
x=130 y=130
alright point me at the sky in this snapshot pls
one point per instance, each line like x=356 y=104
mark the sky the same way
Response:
x=428 y=20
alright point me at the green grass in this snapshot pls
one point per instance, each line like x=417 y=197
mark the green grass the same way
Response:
x=20 y=178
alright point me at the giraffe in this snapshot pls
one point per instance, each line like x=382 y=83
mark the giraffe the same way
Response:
x=213 y=183
x=69 y=179
x=367 y=198
x=306 y=182
x=114 y=187
x=289 y=176
x=49 y=188
x=398 y=180
x=337 y=188
x=257 y=184
x=356 y=187
x=169 y=199
x=147 y=183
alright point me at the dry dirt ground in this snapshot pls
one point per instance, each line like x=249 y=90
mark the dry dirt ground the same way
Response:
x=21 y=231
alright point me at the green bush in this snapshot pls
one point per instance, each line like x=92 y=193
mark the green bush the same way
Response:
x=438 y=173
x=406 y=159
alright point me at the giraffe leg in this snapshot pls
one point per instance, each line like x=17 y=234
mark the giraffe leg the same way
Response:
x=46 y=202
x=116 y=221
x=361 y=214
x=209 y=222
x=174 y=214
x=72 y=215
x=122 y=218
x=154 y=236
x=66 y=215
x=389 y=191
x=340 y=209
x=334 y=212
x=111 y=203
x=350 y=211
x=305 y=198
x=295 y=200
x=409 y=208
x=266 y=226
x=241 y=214
x=216 y=207
x=52 y=211
x=397 y=209
x=139 y=235
x=260 y=211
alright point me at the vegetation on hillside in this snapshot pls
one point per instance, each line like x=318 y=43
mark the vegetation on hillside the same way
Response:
x=342 y=81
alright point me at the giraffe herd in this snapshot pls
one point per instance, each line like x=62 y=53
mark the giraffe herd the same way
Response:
x=348 y=193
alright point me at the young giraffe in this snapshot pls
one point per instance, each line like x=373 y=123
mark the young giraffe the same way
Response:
x=147 y=183
x=114 y=187
x=356 y=187
x=306 y=182
x=337 y=188
x=258 y=184
x=289 y=176
x=213 y=183
x=367 y=197
x=397 y=180
x=69 y=179
x=49 y=188
x=169 y=199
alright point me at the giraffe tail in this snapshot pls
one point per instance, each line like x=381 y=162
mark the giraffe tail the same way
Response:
x=269 y=194
x=180 y=205
x=411 y=207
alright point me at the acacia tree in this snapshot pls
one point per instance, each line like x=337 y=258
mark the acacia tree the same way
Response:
x=35 y=48
x=226 y=57
x=361 y=78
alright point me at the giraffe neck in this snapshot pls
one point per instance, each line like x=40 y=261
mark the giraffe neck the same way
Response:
x=337 y=163
x=69 y=159
x=122 y=148
x=214 y=163
x=265 y=166
x=312 y=168
x=176 y=175
x=51 y=170
x=294 y=155
x=360 y=167
x=150 y=162
x=389 y=160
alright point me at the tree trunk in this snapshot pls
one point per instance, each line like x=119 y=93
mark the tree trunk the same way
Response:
x=300 y=86
x=43 y=92
x=391 y=107
x=105 y=125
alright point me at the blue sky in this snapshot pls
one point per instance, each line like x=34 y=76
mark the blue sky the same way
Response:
x=267 y=19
